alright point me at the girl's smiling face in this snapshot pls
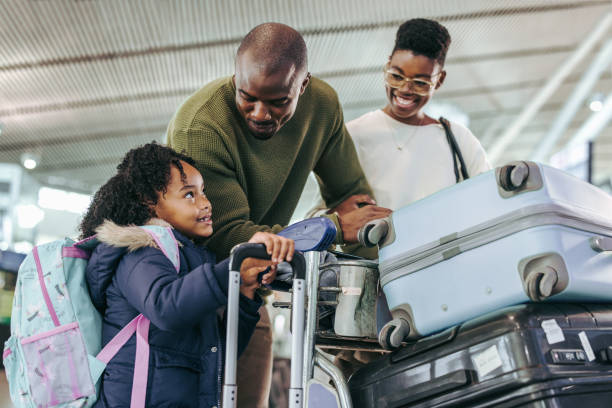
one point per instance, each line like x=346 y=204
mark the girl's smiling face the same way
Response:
x=184 y=205
x=404 y=104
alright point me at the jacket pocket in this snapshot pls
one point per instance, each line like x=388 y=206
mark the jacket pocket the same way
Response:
x=174 y=378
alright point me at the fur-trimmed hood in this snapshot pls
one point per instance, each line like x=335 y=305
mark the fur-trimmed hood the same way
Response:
x=119 y=240
x=131 y=237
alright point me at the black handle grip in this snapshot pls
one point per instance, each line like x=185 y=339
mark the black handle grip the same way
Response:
x=427 y=389
x=248 y=250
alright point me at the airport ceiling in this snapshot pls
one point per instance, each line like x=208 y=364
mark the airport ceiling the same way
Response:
x=83 y=81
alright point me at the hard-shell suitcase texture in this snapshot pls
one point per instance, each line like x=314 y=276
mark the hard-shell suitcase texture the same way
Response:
x=521 y=232
x=528 y=355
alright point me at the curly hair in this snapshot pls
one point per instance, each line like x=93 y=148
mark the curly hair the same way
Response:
x=128 y=196
x=423 y=37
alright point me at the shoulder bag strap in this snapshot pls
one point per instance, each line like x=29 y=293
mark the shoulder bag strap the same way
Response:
x=455 y=151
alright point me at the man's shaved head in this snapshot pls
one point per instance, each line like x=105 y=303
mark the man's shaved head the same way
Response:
x=271 y=75
x=274 y=46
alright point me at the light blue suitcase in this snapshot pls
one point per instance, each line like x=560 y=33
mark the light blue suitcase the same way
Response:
x=519 y=233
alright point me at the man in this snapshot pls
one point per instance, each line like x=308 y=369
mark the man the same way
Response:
x=255 y=138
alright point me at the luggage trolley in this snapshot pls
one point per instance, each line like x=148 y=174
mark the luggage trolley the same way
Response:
x=352 y=276
x=310 y=237
x=238 y=254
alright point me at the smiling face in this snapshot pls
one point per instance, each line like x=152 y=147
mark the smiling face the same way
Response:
x=404 y=104
x=184 y=205
x=267 y=100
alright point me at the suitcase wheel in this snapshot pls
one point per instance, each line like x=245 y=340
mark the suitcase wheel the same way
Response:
x=513 y=176
x=373 y=232
x=541 y=282
x=394 y=333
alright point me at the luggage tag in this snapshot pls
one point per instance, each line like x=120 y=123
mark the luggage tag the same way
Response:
x=553 y=332
x=586 y=345
x=487 y=361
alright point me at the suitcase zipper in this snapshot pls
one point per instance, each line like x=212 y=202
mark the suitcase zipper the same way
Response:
x=482 y=234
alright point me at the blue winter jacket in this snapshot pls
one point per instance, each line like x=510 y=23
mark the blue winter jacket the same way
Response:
x=186 y=334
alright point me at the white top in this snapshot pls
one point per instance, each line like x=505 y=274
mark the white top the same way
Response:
x=404 y=163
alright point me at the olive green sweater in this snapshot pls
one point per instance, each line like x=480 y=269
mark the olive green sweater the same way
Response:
x=254 y=185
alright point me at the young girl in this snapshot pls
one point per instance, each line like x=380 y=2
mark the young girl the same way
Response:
x=127 y=276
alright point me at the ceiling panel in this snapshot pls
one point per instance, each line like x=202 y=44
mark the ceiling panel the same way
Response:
x=82 y=82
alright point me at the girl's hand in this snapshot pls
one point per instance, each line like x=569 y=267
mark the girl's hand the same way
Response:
x=249 y=270
x=279 y=248
x=269 y=277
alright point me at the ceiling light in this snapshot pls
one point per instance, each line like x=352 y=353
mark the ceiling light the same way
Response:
x=29 y=160
x=596 y=102
x=596 y=106
x=29 y=164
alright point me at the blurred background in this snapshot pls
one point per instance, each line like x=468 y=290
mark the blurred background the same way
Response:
x=83 y=81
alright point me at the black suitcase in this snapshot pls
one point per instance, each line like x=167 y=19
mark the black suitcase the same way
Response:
x=530 y=355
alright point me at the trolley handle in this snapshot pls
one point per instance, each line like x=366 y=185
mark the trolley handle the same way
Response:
x=248 y=250
x=298 y=264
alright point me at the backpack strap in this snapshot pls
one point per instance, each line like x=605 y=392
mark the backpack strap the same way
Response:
x=43 y=287
x=455 y=151
x=140 y=326
x=112 y=347
x=141 y=365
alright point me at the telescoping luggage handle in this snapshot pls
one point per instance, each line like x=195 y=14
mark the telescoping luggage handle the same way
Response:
x=298 y=264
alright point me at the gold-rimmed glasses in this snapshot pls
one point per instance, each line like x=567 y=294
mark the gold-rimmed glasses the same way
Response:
x=417 y=85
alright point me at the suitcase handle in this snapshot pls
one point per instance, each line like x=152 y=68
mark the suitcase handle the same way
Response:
x=601 y=244
x=427 y=389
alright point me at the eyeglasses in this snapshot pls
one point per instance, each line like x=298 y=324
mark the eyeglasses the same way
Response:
x=418 y=86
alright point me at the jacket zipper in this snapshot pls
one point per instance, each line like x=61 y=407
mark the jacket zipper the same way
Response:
x=205 y=258
x=219 y=368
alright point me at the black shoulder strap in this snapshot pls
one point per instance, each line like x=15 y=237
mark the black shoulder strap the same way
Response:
x=452 y=142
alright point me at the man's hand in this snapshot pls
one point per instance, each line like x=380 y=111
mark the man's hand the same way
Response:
x=279 y=248
x=352 y=203
x=352 y=221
